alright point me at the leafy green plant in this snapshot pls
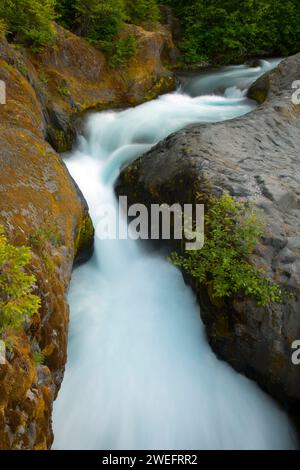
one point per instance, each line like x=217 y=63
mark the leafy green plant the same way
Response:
x=17 y=301
x=140 y=11
x=3 y=28
x=38 y=357
x=29 y=21
x=23 y=70
x=230 y=30
x=120 y=50
x=99 y=20
x=232 y=230
x=62 y=90
x=66 y=13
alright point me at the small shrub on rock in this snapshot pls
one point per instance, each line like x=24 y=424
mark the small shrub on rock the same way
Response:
x=17 y=301
x=232 y=230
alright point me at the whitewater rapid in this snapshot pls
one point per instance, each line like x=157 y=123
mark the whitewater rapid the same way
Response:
x=140 y=373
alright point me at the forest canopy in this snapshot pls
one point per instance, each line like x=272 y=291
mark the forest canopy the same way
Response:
x=211 y=30
x=230 y=30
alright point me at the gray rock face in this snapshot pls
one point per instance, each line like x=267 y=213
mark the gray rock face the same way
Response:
x=255 y=157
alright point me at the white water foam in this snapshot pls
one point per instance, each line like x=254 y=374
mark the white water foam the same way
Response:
x=140 y=373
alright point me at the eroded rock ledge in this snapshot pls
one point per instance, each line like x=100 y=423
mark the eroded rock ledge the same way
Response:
x=73 y=77
x=255 y=157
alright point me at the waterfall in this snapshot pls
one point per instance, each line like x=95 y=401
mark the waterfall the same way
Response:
x=140 y=373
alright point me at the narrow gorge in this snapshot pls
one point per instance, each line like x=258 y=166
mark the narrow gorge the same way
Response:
x=140 y=372
x=114 y=337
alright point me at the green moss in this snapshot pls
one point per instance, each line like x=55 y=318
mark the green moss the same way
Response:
x=48 y=232
x=259 y=95
x=23 y=70
x=62 y=90
x=59 y=140
x=120 y=50
x=48 y=263
x=259 y=91
x=85 y=235
x=42 y=77
x=163 y=85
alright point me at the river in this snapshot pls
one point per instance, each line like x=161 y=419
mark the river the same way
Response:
x=140 y=373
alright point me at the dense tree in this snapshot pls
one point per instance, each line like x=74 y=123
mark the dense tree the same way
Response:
x=99 y=20
x=214 y=30
x=29 y=21
x=140 y=11
x=229 y=30
x=66 y=13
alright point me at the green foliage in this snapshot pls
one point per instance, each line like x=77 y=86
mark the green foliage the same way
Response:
x=42 y=77
x=62 y=90
x=229 y=30
x=17 y=302
x=99 y=20
x=66 y=13
x=141 y=11
x=47 y=233
x=102 y=19
x=29 y=21
x=23 y=70
x=38 y=357
x=214 y=30
x=120 y=50
x=232 y=230
x=3 y=28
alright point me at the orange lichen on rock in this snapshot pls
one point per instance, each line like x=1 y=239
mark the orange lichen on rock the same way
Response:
x=74 y=77
x=36 y=193
x=41 y=206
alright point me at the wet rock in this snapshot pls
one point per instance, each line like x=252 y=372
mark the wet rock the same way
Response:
x=37 y=197
x=41 y=206
x=73 y=77
x=253 y=157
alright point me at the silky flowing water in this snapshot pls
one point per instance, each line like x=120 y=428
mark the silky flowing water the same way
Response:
x=140 y=373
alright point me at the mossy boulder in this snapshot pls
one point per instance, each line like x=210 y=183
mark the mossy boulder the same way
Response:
x=73 y=77
x=40 y=206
